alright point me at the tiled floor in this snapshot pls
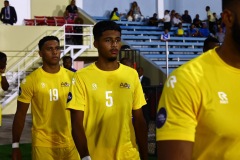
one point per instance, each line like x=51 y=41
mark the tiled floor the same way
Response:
x=6 y=130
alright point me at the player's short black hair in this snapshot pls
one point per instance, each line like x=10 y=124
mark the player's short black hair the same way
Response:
x=66 y=57
x=2 y=55
x=103 y=26
x=45 y=39
x=208 y=41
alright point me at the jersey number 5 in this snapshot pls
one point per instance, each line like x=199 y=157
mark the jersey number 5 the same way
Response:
x=53 y=94
x=109 y=99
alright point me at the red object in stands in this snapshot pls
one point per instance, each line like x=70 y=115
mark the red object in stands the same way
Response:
x=50 y=21
x=60 y=21
x=40 y=20
x=29 y=22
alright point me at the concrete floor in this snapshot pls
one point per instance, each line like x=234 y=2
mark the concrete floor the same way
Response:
x=6 y=130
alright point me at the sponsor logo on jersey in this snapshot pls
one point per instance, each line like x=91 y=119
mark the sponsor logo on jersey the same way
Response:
x=43 y=85
x=125 y=85
x=161 y=117
x=65 y=84
x=69 y=97
x=171 y=81
x=73 y=81
x=223 y=98
x=94 y=86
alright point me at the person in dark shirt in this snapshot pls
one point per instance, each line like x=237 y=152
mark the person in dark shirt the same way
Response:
x=153 y=21
x=67 y=63
x=186 y=18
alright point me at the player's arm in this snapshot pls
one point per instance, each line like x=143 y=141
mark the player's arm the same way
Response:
x=174 y=150
x=78 y=132
x=140 y=128
x=4 y=82
x=17 y=128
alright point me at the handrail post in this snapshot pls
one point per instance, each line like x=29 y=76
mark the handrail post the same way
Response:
x=167 y=53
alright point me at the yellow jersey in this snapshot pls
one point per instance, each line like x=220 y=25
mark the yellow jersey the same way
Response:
x=47 y=94
x=107 y=99
x=200 y=103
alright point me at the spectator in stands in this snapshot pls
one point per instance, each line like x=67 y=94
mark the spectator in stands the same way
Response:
x=46 y=89
x=176 y=20
x=127 y=61
x=8 y=14
x=179 y=32
x=153 y=21
x=172 y=14
x=71 y=11
x=210 y=43
x=115 y=16
x=78 y=39
x=193 y=31
x=197 y=22
x=186 y=18
x=102 y=119
x=210 y=20
x=3 y=80
x=165 y=36
x=67 y=63
x=204 y=31
x=198 y=112
x=220 y=35
x=130 y=15
x=137 y=14
x=166 y=20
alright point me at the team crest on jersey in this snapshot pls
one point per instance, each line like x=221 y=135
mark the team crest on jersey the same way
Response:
x=161 y=117
x=19 y=91
x=69 y=97
x=125 y=85
x=65 y=84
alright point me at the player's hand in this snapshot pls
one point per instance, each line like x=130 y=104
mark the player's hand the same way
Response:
x=16 y=154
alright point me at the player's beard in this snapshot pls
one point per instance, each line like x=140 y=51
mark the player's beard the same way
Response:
x=111 y=59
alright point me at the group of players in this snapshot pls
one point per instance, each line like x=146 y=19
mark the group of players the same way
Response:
x=96 y=113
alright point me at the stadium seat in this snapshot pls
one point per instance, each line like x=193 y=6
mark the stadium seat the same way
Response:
x=60 y=21
x=29 y=22
x=40 y=20
x=50 y=21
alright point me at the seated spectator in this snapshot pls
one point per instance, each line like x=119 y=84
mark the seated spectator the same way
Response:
x=172 y=14
x=165 y=36
x=130 y=15
x=166 y=20
x=176 y=20
x=186 y=18
x=179 y=31
x=153 y=21
x=220 y=35
x=193 y=31
x=197 y=22
x=71 y=11
x=137 y=14
x=115 y=16
x=210 y=43
x=67 y=63
x=204 y=31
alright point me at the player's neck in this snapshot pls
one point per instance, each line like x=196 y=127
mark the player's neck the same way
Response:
x=229 y=55
x=107 y=66
x=51 y=69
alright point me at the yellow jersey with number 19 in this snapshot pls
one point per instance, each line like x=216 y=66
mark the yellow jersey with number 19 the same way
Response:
x=47 y=94
x=107 y=99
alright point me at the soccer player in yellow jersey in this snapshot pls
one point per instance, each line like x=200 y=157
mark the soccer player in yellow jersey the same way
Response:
x=46 y=89
x=103 y=98
x=3 y=80
x=198 y=113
